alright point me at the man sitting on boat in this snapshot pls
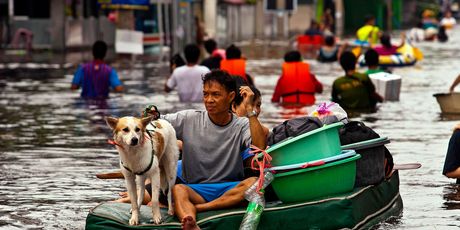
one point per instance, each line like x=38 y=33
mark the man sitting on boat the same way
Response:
x=354 y=90
x=297 y=85
x=212 y=165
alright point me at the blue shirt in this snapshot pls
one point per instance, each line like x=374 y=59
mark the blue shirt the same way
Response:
x=95 y=78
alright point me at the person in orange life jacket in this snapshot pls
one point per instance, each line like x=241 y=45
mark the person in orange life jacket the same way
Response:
x=216 y=55
x=296 y=84
x=96 y=77
x=234 y=64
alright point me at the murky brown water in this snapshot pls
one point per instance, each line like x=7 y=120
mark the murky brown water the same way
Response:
x=52 y=143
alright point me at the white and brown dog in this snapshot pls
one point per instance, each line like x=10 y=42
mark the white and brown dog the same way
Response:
x=148 y=149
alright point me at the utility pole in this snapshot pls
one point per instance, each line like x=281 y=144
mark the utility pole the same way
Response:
x=389 y=15
x=57 y=25
x=175 y=15
x=210 y=16
x=339 y=18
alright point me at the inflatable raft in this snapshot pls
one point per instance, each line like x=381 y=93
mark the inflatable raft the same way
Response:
x=406 y=56
x=361 y=208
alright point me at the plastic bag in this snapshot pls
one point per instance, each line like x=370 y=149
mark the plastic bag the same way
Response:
x=327 y=109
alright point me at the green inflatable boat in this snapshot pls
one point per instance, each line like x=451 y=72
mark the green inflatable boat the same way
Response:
x=361 y=208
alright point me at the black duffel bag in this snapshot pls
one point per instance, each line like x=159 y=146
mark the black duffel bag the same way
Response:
x=293 y=127
x=376 y=161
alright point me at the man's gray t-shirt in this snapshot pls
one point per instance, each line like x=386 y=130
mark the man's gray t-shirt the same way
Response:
x=210 y=153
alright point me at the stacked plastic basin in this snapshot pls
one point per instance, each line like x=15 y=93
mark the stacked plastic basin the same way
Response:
x=312 y=165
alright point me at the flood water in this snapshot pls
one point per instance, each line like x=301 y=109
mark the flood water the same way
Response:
x=52 y=143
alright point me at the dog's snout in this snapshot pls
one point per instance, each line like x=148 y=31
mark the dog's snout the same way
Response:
x=134 y=141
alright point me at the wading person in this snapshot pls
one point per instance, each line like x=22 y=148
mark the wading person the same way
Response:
x=354 y=90
x=369 y=33
x=372 y=61
x=215 y=55
x=187 y=78
x=296 y=84
x=96 y=77
x=235 y=64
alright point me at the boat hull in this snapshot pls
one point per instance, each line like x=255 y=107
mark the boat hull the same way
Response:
x=364 y=207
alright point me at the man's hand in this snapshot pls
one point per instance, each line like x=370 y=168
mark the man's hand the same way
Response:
x=248 y=98
x=457 y=126
x=74 y=87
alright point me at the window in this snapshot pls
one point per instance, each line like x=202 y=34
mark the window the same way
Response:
x=32 y=8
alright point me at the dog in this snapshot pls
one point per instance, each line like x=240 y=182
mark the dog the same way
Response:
x=147 y=149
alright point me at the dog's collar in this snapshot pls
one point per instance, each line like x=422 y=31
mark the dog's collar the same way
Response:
x=112 y=142
x=145 y=170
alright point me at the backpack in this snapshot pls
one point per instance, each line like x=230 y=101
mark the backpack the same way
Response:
x=293 y=127
x=356 y=131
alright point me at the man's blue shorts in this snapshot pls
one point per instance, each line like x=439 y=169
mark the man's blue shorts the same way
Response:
x=209 y=192
x=212 y=191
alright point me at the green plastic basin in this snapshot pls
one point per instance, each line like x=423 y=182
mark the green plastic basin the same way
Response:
x=314 y=145
x=321 y=181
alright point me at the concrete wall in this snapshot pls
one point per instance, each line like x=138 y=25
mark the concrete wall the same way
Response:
x=235 y=23
x=299 y=21
x=84 y=32
x=78 y=32
x=40 y=29
x=248 y=27
x=409 y=16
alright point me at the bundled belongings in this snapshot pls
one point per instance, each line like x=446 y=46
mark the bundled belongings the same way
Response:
x=376 y=161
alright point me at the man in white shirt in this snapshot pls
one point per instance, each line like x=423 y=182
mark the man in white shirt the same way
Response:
x=188 y=79
x=448 y=22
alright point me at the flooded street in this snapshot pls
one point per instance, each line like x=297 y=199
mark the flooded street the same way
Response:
x=52 y=143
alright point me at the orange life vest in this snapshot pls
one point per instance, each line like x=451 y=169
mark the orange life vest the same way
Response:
x=234 y=67
x=297 y=84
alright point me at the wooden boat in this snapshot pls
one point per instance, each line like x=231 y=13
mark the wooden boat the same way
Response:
x=361 y=208
x=449 y=102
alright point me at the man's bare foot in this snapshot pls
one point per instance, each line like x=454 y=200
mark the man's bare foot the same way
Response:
x=188 y=223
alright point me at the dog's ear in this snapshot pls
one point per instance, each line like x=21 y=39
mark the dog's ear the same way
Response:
x=146 y=120
x=111 y=122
